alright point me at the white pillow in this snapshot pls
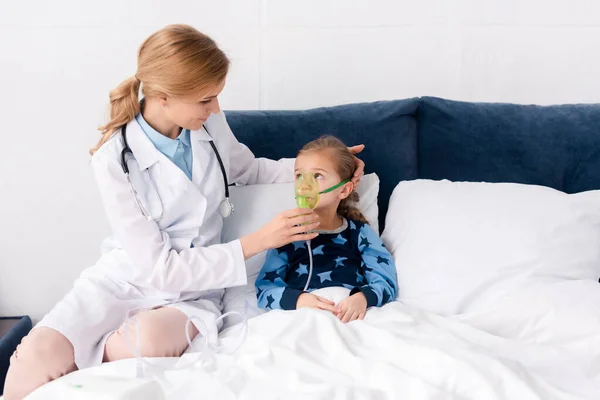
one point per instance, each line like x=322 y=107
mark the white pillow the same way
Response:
x=463 y=247
x=256 y=205
x=554 y=312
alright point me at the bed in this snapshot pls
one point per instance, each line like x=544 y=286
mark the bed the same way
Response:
x=499 y=292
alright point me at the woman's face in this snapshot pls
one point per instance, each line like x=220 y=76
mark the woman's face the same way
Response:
x=192 y=111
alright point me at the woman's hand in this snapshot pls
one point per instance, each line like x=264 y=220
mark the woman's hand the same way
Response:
x=360 y=165
x=312 y=301
x=352 y=308
x=289 y=226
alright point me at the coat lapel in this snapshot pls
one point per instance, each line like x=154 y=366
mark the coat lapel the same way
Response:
x=163 y=170
x=201 y=155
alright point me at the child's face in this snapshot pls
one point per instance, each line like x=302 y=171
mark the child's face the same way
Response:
x=322 y=165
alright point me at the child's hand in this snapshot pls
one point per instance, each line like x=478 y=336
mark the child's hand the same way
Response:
x=352 y=308
x=312 y=301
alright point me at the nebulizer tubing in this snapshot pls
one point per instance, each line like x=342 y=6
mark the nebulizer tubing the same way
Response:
x=204 y=356
x=307 y=196
x=310 y=268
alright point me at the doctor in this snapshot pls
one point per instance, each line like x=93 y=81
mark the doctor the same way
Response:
x=163 y=167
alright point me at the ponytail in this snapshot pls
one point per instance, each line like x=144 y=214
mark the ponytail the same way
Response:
x=174 y=61
x=124 y=106
x=347 y=208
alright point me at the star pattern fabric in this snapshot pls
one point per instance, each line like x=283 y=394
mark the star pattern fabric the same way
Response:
x=354 y=258
x=318 y=251
x=271 y=276
x=359 y=277
x=339 y=239
x=324 y=276
x=365 y=242
x=382 y=260
x=339 y=262
x=302 y=270
x=270 y=301
x=299 y=245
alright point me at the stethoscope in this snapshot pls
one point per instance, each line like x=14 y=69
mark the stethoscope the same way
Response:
x=225 y=208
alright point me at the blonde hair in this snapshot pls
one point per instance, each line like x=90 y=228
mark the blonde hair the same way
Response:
x=177 y=60
x=346 y=166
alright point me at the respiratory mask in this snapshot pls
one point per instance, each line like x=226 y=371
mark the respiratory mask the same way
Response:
x=307 y=190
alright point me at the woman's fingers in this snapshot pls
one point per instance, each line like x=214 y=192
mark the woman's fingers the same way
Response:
x=296 y=212
x=303 y=237
x=360 y=167
x=304 y=228
x=360 y=171
x=360 y=164
x=356 y=149
x=361 y=316
x=302 y=219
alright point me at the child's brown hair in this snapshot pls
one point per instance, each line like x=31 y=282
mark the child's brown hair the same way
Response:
x=346 y=166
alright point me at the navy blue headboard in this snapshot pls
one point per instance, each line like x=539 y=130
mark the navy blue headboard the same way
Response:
x=387 y=128
x=555 y=146
x=432 y=138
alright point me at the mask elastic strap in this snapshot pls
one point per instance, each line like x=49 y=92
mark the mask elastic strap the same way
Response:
x=342 y=183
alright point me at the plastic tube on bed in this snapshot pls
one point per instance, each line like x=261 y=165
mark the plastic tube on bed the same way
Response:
x=310 y=268
x=204 y=357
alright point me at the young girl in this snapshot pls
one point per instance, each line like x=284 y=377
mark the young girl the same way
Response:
x=346 y=253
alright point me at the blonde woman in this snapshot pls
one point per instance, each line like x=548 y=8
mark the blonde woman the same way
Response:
x=163 y=166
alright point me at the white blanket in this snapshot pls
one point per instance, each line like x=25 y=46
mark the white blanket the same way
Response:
x=397 y=352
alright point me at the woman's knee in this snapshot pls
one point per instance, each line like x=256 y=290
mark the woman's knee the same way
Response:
x=43 y=355
x=161 y=334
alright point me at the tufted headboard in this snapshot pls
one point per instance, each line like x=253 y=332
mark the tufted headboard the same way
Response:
x=432 y=138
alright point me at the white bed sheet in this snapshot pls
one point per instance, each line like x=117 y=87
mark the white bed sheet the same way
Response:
x=397 y=352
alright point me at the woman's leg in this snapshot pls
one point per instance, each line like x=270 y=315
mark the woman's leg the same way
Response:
x=70 y=336
x=42 y=356
x=162 y=334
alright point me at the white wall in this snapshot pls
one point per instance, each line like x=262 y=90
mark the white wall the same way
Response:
x=59 y=59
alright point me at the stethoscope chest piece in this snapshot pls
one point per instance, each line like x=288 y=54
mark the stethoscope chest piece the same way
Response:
x=226 y=208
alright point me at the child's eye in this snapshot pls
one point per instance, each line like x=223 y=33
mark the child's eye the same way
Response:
x=298 y=176
x=317 y=176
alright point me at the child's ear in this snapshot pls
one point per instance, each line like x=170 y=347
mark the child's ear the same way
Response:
x=347 y=190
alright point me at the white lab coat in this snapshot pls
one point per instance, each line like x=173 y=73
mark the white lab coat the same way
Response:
x=176 y=261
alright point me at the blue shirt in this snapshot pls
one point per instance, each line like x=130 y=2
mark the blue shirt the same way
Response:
x=179 y=150
x=354 y=257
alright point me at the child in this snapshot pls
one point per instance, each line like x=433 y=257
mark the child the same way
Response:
x=346 y=253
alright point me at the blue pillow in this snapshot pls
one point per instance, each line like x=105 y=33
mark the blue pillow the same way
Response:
x=555 y=146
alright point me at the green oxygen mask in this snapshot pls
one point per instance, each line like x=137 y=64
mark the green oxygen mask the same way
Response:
x=307 y=190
